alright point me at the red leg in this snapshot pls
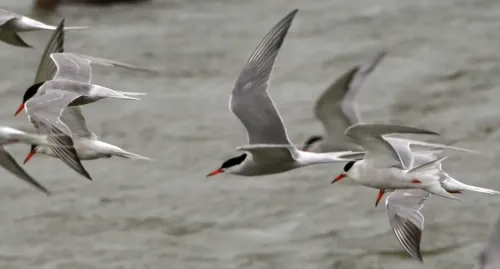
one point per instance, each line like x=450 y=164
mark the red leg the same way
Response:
x=380 y=195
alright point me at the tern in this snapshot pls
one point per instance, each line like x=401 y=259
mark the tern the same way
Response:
x=269 y=145
x=11 y=24
x=86 y=143
x=64 y=79
x=336 y=111
x=403 y=206
x=386 y=166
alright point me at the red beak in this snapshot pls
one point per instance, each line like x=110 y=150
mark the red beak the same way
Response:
x=216 y=172
x=339 y=177
x=21 y=107
x=380 y=195
x=31 y=154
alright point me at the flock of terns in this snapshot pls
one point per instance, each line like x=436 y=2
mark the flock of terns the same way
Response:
x=374 y=157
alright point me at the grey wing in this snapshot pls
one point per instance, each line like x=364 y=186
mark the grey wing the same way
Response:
x=45 y=111
x=73 y=118
x=415 y=144
x=381 y=153
x=113 y=63
x=335 y=108
x=77 y=67
x=250 y=101
x=72 y=67
x=47 y=68
x=8 y=162
x=403 y=210
x=9 y=35
x=489 y=256
x=404 y=152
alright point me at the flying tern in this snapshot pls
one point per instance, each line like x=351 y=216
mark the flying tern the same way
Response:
x=11 y=24
x=336 y=110
x=86 y=143
x=68 y=84
x=269 y=145
x=386 y=166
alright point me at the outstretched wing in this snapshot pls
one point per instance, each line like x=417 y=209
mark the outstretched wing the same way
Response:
x=403 y=210
x=45 y=112
x=76 y=67
x=381 y=153
x=335 y=108
x=73 y=118
x=250 y=101
x=9 y=163
x=47 y=68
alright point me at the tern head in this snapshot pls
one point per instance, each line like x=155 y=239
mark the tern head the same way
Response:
x=229 y=165
x=347 y=171
x=33 y=150
x=30 y=92
x=310 y=141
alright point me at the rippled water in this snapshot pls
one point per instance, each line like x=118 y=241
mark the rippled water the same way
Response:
x=442 y=73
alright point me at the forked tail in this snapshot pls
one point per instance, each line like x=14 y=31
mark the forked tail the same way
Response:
x=438 y=190
x=452 y=184
x=129 y=95
x=130 y=155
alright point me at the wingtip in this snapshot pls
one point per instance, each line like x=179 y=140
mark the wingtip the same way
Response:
x=419 y=257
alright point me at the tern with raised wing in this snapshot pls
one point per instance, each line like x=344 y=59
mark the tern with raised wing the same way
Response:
x=336 y=111
x=11 y=24
x=269 y=145
x=386 y=166
x=68 y=84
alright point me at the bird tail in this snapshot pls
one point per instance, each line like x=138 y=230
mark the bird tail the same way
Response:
x=452 y=184
x=132 y=156
x=126 y=95
x=132 y=93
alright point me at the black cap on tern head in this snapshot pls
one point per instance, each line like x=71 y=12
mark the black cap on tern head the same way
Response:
x=30 y=92
x=233 y=161
x=348 y=166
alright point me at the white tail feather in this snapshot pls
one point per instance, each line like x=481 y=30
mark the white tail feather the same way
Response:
x=439 y=191
x=455 y=185
x=130 y=155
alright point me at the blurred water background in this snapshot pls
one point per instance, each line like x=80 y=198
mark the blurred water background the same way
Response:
x=441 y=73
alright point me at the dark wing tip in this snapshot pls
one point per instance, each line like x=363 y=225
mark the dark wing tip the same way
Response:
x=409 y=236
x=63 y=147
x=273 y=41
